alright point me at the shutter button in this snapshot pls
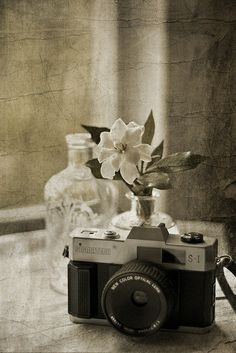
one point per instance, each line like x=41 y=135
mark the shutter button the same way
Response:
x=110 y=234
x=192 y=238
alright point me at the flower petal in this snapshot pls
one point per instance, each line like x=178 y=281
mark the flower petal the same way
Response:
x=128 y=171
x=106 y=140
x=131 y=155
x=132 y=124
x=116 y=160
x=144 y=151
x=104 y=153
x=118 y=131
x=134 y=133
x=107 y=169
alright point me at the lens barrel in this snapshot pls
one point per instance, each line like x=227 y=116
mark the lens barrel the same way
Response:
x=138 y=299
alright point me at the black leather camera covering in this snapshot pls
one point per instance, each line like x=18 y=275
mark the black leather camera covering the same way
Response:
x=195 y=292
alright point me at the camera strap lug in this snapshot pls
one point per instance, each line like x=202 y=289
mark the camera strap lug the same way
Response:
x=227 y=262
x=66 y=251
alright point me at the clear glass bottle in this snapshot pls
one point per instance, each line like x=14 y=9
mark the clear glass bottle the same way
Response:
x=74 y=198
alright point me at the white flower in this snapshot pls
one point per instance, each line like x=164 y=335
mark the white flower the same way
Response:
x=121 y=150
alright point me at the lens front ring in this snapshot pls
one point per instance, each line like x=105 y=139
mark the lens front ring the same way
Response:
x=136 y=299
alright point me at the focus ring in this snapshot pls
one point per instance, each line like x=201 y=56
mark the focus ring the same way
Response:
x=145 y=268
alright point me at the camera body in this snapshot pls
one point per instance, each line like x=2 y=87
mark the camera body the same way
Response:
x=142 y=280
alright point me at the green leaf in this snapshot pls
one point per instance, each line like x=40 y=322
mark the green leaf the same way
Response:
x=158 y=150
x=149 y=129
x=95 y=132
x=147 y=182
x=156 y=155
x=152 y=164
x=178 y=162
x=95 y=167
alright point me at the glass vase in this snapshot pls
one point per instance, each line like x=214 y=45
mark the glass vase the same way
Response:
x=74 y=198
x=143 y=212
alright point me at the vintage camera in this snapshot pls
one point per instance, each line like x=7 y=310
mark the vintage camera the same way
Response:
x=142 y=280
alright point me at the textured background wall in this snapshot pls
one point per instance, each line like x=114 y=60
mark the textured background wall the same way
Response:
x=58 y=69
x=68 y=62
x=178 y=57
x=201 y=102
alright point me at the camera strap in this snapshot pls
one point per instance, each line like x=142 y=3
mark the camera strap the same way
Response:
x=222 y=262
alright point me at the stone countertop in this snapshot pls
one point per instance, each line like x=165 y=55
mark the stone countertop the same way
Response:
x=33 y=318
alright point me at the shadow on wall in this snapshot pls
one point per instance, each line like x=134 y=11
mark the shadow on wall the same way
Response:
x=201 y=104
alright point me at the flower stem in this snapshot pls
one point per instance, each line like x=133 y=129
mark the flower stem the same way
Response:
x=128 y=185
x=142 y=167
x=145 y=210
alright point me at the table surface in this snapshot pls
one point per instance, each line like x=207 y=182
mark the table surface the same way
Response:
x=33 y=317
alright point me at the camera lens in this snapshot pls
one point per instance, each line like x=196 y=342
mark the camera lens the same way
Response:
x=138 y=299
